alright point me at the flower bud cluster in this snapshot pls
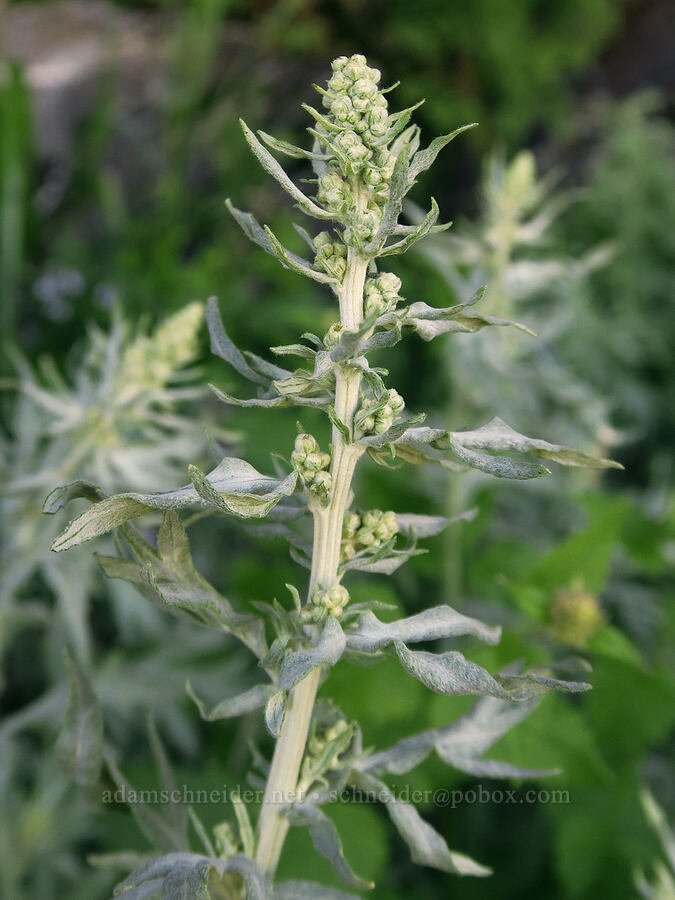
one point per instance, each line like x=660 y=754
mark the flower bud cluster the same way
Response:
x=357 y=108
x=354 y=131
x=311 y=464
x=321 y=739
x=381 y=294
x=327 y=603
x=376 y=417
x=331 y=255
x=370 y=530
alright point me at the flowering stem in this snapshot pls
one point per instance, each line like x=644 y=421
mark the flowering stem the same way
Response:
x=282 y=783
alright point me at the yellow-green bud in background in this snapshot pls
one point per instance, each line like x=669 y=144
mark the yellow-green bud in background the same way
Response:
x=576 y=614
x=150 y=362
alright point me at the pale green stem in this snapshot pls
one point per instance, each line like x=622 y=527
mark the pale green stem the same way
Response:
x=282 y=782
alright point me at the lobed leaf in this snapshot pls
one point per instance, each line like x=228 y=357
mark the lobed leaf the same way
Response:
x=452 y=673
x=234 y=486
x=427 y=847
x=461 y=744
x=371 y=635
x=424 y=159
x=272 y=167
x=222 y=346
x=185 y=876
x=425 y=227
x=326 y=841
x=253 y=698
x=326 y=652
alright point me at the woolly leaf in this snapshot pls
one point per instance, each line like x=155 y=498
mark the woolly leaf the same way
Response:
x=424 y=159
x=371 y=635
x=326 y=841
x=420 y=231
x=222 y=346
x=253 y=698
x=272 y=167
x=461 y=744
x=452 y=673
x=275 y=712
x=326 y=652
x=427 y=847
x=234 y=486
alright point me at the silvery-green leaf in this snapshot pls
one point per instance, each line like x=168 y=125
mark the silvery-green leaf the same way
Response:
x=427 y=847
x=262 y=402
x=398 y=122
x=425 y=227
x=428 y=526
x=452 y=673
x=185 y=876
x=422 y=160
x=397 y=191
x=290 y=149
x=245 y=504
x=234 y=486
x=114 y=567
x=58 y=498
x=294 y=350
x=463 y=740
x=497 y=435
x=265 y=367
x=79 y=748
x=391 y=434
x=491 y=768
x=532 y=684
x=370 y=634
x=430 y=322
x=307 y=890
x=149 y=890
x=499 y=466
x=272 y=167
x=222 y=346
x=250 y=226
x=326 y=841
x=462 y=447
x=253 y=698
x=296 y=263
x=381 y=563
x=275 y=712
x=326 y=652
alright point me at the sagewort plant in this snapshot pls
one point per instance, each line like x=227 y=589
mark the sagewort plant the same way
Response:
x=365 y=160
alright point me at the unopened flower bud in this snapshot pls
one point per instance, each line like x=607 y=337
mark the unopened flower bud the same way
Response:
x=384 y=419
x=306 y=443
x=388 y=283
x=348 y=549
x=395 y=402
x=351 y=524
x=321 y=484
x=372 y=518
x=391 y=522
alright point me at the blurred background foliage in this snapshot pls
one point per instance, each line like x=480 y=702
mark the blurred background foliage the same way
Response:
x=118 y=143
